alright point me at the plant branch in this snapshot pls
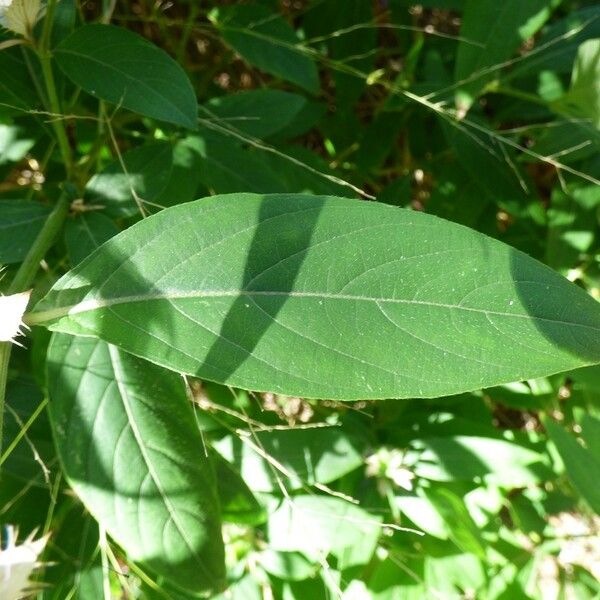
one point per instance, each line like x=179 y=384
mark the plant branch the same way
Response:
x=45 y=56
x=25 y=276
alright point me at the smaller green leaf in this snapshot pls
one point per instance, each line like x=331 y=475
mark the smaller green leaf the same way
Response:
x=258 y=113
x=491 y=31
x=238 y=504
x=308 y=456
x=319 y=525
x=581 y=467
x=421 y=511
x=590 y=432
x=75 y=556
x=17 y=91
x=462 y=529
x=20 y=223
x=469 y=457
x=289 y=566
x=583 y=98
x=145 y=172
x=15 y=143
x=121 y=67
x=268 y=42
x=225 y=166
x=85 y=233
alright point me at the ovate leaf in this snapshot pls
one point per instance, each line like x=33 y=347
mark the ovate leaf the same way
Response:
x=119 y=66
x=131 y=450
x=325 y=297
x=85 y=233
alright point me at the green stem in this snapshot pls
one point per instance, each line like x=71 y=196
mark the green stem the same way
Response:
x=29 y=267
x=24 y=278
x=4 y=359
x=45 y=57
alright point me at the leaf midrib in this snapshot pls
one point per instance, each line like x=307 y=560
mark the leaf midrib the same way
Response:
x=123 y=393
x=40 y=317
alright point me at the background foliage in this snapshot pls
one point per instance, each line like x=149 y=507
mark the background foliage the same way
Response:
x=484 y=113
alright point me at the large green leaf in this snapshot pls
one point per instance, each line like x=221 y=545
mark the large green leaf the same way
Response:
x=20 y=223
x=119 y=66
x=325 y=297
x=491 y=32
x=131 y=450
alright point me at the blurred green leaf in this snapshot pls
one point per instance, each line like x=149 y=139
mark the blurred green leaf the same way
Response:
x=581 y=467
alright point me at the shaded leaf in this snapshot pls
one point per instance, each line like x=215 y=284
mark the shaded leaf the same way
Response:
x=268 y=42
x=145 y=171
x=258 y=113
x=85 y=233
x=20 y=223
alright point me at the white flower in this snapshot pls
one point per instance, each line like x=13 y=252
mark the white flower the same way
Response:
x=12 y=309
x=17 y=562
x=20 y=16
x=389 y=464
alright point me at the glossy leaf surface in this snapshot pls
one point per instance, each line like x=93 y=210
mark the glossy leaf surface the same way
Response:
x=129 y=446
x=375 y=301
x=119 y=66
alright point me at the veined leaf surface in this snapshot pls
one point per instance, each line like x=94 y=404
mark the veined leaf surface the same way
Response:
x=124 y=68
x=325 y=297
x=129 y=445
